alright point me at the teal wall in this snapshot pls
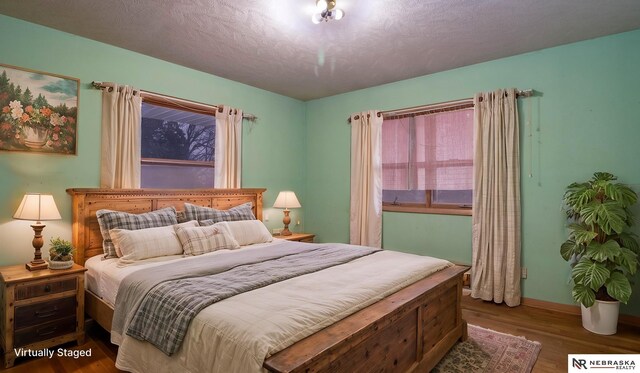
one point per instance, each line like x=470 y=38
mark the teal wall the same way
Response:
x=274 y=153
x=586 y=120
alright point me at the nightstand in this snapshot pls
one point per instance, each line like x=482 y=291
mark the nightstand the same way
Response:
x=301 y=237
x=40 y=309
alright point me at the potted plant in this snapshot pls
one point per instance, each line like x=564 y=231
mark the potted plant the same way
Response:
x=60 y=254
x=602 y=252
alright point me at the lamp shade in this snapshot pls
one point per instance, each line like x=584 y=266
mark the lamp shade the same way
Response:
x=37 y=207
x=286 y=200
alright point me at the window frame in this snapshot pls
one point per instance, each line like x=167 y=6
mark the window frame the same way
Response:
x=183 y=105
x=429 y=207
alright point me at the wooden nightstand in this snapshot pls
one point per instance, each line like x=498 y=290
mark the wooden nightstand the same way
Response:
x=40 y=309
x=302 y=237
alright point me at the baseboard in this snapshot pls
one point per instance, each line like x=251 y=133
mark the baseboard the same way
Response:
x=571 y=309
x=574 y=310
x=629 y=320
x=551 y=306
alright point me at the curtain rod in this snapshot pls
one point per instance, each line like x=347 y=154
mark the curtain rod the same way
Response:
x=463 y=102
x=159 y=96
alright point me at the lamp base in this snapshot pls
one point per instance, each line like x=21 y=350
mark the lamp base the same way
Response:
x=286 y=220
x=33 y=266
x=37 y=263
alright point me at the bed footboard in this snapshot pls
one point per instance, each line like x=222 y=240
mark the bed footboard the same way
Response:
x=410 y=330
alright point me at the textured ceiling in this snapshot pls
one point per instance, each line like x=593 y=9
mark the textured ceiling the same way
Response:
x=273 y=44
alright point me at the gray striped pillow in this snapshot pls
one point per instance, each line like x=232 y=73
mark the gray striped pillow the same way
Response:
x=109 y=219
x=201 y=240
x=200 y=213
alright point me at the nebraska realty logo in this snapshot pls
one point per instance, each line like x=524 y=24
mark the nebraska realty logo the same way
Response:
x=604 y=363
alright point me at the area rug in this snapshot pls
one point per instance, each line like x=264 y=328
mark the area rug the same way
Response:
x=488 y=351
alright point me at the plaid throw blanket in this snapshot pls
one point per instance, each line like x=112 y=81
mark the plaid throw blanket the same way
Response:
x=165 y=306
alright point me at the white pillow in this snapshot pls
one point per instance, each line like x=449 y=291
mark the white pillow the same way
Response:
x=247 y=232
x=201 y=240
x=147 y=243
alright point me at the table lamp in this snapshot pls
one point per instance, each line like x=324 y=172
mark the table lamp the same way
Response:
x=286 y=200
x=38 y=207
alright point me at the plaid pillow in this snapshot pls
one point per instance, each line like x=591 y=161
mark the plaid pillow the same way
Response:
x=182 y=217
x=201 y=240
x=109 y=219
x=200 y=213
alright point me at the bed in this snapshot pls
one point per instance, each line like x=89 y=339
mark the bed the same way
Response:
x=411 y=329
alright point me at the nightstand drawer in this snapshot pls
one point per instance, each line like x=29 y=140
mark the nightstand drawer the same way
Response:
x=43 y=312
x=44 y=331
x=37 y=290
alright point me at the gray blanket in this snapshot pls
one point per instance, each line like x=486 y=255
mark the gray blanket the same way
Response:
x=157 y=304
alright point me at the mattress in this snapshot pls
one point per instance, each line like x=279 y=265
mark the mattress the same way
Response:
x=239 y=333
x=103 y=276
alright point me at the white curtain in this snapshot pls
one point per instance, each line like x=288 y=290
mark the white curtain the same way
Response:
x=228 y=152
x=121 y=147
x=496 y=199
x=366 y=179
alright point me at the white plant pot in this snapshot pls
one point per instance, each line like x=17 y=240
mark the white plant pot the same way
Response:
x=55 y=264
x=601 y=318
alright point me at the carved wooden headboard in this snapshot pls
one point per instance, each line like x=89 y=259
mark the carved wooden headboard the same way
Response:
x=86 y=237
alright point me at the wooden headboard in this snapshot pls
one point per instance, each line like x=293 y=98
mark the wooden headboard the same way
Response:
x=86 y=237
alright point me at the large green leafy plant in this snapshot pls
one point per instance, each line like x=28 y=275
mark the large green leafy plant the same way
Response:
x=601 y=250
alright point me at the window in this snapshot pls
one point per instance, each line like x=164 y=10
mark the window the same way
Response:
x=427 y=161
x=177 y=146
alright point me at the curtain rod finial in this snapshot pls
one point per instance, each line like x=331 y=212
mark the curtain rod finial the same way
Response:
x=526 y=93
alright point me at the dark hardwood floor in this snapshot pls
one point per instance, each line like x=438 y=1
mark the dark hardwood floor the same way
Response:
x=560 y=334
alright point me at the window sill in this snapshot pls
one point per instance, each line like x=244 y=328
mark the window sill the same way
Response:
x=428 y=210
x=176 y=162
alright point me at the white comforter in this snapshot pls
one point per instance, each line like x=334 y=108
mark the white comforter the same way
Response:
x=239 y=333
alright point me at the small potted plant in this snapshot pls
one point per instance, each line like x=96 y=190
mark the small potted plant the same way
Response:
x=60 y=254
x=602 y=252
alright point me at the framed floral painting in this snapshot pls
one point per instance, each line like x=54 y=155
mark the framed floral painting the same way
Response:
x=39 y=111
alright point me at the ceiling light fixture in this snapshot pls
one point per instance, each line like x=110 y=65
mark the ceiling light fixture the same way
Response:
x=326 y=10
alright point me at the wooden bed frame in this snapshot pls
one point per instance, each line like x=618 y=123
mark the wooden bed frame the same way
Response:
x=408 y=331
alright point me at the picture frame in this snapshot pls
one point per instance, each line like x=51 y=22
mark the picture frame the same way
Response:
x=38 y=111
